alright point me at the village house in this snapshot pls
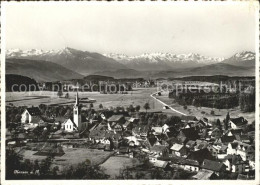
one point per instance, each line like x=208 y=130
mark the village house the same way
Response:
x=200 y=155
x=213 y=166
x=31 y=116
x=141 y=131
x=234 y=132
x=130 y=123
x=238 y=123
x=190 y=145
x=235 y=164
x=157 y=130
x=179 y=150
x=186 y=119
x=161 y=164
x=242 y=149
x=188 y=134
x=116 y=119
x=191 y=165
x=160 y=151
x=204 y=174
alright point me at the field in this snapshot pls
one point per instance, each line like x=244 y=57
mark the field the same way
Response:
x=206 y=111
x=113 y=165
x=72 y=156
x=136 y=97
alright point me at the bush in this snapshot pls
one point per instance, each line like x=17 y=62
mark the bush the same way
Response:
x=185 y=107
x=212 y=112
x=203 y=112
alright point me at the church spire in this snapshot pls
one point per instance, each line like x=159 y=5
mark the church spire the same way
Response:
x=77 y=99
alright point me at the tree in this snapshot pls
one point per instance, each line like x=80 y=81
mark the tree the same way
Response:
x=137 y=108
x=59 y=94
x=67 y=95
x=218 y=124
x=91 y=105
x=131 y=108
x=226 y=121
x=146 y=106
x=101 y=106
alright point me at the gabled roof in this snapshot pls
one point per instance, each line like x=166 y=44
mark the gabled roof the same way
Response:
x=152 y=140
x=34 y=111
x=160 y=164
x=227 y=139
x=157 y=148
x=36 y=119
x=212 y=165
x=157 y=129
x=190 y=133
x=242 y=138
x=236 y=131
x=239 y=121
x=190 y=162
x=203 y=174
x=200 y=155
x=190 y=143
x=115 y=118
x=234 y=159
x=176 y=147
x=189 y=118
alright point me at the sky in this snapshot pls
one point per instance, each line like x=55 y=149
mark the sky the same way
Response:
x=217 y=30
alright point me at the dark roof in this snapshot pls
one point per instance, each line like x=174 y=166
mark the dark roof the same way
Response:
x=190 y=162
x=242 y=137
x=158 y=148
x=236 y=131
x=152 y=140
x=34 y=111
x=190 y=133
x=234 y=159
x=239 y=121
x=200 y=155
x=227 y=139
x=189 y=118
x=212 y=165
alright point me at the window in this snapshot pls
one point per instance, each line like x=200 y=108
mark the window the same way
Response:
x=75 y=112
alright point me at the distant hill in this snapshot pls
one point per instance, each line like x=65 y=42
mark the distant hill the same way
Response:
x=214 y=78
x=208 y=70
x=223 y=69
x=13 y=82
x=98 y=78
x=123 y=73
x=41 y=71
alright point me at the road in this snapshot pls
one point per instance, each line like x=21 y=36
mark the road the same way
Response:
x=174 y=110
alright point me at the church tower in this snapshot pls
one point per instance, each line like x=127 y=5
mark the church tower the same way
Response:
x=76 y=113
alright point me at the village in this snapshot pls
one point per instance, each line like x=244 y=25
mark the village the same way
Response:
x=145 y=143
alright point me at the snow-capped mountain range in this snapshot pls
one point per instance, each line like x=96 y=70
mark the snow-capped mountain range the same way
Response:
x=85 y=62
x=157 y=57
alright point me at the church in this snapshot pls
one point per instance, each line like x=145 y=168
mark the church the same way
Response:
x=75 y=124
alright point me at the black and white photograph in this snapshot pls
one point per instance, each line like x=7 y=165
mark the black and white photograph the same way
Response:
x=130 y=91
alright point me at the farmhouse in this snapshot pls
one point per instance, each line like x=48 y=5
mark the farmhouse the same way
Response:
x=178 y=149
x=31 y=115
x=238 y=123
x=213 y=166
x=234 y=163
